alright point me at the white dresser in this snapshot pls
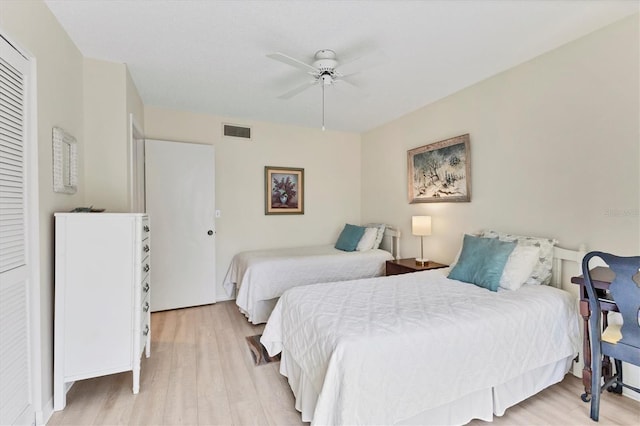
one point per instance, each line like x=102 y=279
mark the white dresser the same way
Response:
x=102 y=297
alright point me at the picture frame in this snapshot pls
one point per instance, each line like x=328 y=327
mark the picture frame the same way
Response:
x=284 y=190
x=65 y=162
x=440 y=172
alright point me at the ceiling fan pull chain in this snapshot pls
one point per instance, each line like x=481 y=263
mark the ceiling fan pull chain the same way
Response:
x=322 y=106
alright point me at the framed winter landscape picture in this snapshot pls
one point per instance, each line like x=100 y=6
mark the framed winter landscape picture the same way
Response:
x=284 y=190
x=440 y=172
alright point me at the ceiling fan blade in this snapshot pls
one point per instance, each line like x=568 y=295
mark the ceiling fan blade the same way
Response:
x=357 y=52
x=281 y=57
x=364 y=59
x=291 y=93
x=349 y=78
x=349 y=88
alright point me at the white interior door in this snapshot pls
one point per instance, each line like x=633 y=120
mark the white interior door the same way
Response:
x=179 y=187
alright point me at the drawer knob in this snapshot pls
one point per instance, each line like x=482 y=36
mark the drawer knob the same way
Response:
x=146 y=330
x=146 y=228
x=146 y=288
x=146 y=268
x=146 y=248
x=146 y=307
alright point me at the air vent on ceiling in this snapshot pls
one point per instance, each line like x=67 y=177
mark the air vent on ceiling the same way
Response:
x=236 y=131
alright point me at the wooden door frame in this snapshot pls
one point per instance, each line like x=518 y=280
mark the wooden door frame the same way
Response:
x=136 y=166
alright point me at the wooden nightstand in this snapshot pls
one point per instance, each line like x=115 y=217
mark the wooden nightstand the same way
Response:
x=405 y=266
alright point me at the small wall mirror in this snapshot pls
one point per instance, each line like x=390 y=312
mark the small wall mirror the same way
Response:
x=65 y=162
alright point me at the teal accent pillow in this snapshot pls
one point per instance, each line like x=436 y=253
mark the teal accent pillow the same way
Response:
x=482 y=261
x=349 y=237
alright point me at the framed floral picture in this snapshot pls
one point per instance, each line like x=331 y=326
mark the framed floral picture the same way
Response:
x=284 y=190
x=440 y=172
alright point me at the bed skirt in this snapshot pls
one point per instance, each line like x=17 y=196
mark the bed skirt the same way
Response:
x=483 y=404
x=261 y=311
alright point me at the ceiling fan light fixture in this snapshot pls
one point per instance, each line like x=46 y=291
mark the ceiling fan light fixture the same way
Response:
x=326 y=79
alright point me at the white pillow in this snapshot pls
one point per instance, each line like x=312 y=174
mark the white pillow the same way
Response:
x=519 y=266
x=380 y=227
x=542 y=270
x=368 y=239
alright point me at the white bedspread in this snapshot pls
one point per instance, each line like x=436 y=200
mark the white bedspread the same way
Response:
x=381 y=350
x=263 y=275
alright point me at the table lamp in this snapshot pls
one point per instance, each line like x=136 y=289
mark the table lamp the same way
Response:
x=421 y=226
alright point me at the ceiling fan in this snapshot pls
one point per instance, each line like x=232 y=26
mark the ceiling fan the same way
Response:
x=324 y=72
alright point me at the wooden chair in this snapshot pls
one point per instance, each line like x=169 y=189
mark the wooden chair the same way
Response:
x=620 y=342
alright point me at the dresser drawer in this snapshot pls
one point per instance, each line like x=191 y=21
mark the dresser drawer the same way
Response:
x=145 y=307
x=145 y=249
x=143 y=326
x=145 y=288
x=146 y=330
x=145 y=267
x=145 y=323
x=144 y=229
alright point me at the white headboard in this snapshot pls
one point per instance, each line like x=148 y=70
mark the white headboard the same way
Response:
x=560 y=255
x=391 y=241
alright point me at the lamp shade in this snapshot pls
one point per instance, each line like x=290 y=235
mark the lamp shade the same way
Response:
x=421 y=225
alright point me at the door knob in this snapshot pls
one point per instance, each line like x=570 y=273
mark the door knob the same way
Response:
x=209 y=232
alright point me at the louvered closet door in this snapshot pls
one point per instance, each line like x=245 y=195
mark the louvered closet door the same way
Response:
x=15 y=393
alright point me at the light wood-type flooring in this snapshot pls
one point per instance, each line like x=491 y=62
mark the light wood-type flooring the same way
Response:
x=201 y=373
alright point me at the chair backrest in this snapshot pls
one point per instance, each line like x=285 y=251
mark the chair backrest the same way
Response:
x=624 y=290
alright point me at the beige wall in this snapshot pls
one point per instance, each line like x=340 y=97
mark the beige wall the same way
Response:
x=332 y=180
x=105 y=125
x=554 y=147
x=134 y=102
x=31 y=25
x=109 y=97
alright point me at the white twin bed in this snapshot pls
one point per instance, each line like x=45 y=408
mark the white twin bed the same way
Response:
x=421 y=348
x=259 y=277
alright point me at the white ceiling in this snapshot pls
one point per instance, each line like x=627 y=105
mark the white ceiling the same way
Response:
x=210 y=56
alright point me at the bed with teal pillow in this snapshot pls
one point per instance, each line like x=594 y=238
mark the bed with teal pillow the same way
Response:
x=482 y=261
